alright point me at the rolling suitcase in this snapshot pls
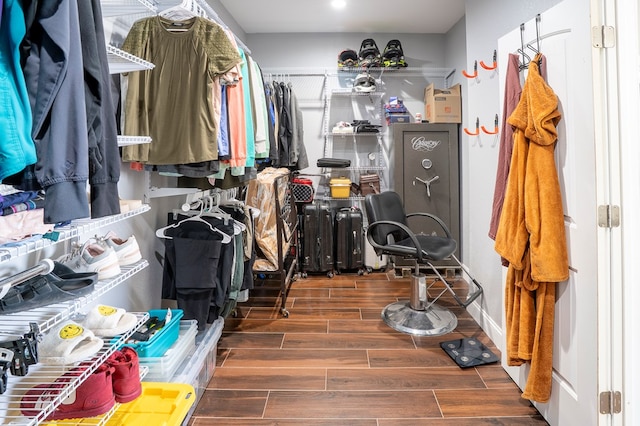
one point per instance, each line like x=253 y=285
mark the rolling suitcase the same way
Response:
x=373 y=261
x=349 y=241
x=317 y=228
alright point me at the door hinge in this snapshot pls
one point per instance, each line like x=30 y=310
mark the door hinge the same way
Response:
x=610 y=402
x=603 y=36
x=608 y=216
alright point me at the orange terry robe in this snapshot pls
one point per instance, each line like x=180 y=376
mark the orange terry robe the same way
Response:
x=531 y=235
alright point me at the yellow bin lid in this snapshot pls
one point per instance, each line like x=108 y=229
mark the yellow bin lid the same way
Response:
x=160 y=404
x=340 y=181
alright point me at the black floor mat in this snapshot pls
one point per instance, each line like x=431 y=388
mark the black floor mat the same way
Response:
x=469 y=352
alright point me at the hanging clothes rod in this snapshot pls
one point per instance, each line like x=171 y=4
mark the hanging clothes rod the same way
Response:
x=214 y=16
x=201 y=8
x=43 y=268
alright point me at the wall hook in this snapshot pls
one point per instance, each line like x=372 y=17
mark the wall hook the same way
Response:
x=495 y=62
x=495 y=128
x=477 y=132
x=475 y=71
x=525 y=58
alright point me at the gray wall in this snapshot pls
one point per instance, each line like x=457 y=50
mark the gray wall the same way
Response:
x=309 y=62
x=320 y=50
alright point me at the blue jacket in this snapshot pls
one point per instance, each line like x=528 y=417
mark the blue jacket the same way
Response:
x=17 y=149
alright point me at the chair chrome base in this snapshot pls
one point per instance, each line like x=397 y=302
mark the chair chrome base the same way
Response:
x=434 y=321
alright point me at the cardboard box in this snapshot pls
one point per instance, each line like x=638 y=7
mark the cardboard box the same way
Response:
x=442 y=106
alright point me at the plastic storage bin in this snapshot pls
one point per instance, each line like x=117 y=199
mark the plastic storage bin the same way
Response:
x=164 y=338
x=162 y=369
x=161 y=404
x=340 y=187
x=198 y=369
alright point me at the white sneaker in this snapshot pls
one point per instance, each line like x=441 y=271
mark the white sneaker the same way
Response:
x=93 y=257
x=128 y=251
x=129 y=205
x=342 y=127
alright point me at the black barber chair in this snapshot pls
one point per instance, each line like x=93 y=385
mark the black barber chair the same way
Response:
x=389 y=233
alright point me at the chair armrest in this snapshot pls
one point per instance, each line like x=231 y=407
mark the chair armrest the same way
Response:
x=435 y=218
x=400 y=226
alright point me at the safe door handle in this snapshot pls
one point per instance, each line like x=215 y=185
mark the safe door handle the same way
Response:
x=427 y=183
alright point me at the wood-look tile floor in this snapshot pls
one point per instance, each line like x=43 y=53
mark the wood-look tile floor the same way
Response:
x=333 y=361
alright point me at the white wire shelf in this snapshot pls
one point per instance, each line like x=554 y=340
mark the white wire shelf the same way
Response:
x=133 y=140
x=351 y=92
x=48 y=374
x=123 y=62
x=329 y=198
x=365 y=168
x=73 y=230
x=357 y=135
x=111 y=8
x=98 y=420
x=48 y=316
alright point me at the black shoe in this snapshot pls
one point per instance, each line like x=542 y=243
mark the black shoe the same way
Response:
x=61 y=285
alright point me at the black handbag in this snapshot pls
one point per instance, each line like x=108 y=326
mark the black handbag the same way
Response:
x=333 y=162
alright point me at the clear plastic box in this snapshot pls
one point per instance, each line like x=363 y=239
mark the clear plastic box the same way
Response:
x=162 y=369
x=198 y=369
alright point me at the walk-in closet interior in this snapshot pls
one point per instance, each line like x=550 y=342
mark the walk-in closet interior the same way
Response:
x=233 y=212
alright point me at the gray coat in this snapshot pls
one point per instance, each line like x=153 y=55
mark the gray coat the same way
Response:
x=54 y=75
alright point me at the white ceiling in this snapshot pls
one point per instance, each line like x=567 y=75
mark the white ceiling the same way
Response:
x=359 y=16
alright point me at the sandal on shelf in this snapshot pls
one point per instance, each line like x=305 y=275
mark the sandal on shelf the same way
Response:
x=61 y=285
x=108 y=321
x=68 y=343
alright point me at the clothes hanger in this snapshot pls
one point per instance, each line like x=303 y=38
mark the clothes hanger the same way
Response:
x=160 y=233
x=176 y=15
x=208 y=205
x=237 y=225
x=213 y=208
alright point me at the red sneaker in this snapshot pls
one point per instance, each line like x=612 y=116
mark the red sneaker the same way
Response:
x=92 y=398
x=126 y=376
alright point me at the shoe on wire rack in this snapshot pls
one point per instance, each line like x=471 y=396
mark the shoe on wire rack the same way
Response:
x=93 y=397
x=393 y=56
x=127 y=250
x=126 y=374
x=342 y=127
x=92 y=257
x=369 y=54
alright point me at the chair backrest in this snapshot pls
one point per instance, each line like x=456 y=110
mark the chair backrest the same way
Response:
x=385 y=206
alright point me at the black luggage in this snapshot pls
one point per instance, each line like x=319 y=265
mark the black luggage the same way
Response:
x=317 y=228
x=349 y=240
